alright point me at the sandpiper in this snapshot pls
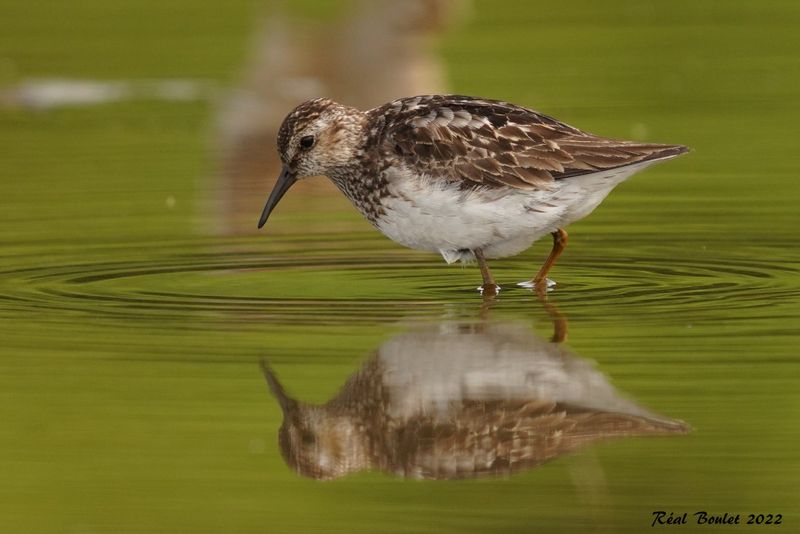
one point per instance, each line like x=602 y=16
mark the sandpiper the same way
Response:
x=466 y=177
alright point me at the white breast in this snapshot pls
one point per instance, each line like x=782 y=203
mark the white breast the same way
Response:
x=438 y=216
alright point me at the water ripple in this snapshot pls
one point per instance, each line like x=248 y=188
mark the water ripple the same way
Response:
x=342 y=286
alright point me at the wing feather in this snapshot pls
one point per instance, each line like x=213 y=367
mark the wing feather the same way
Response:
x=496 y=144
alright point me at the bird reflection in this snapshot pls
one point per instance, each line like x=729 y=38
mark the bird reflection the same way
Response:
x=457 y=401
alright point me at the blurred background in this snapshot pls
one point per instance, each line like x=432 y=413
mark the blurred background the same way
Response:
x=137 y=146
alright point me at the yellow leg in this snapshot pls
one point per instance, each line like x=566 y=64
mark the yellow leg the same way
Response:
x=560 y=238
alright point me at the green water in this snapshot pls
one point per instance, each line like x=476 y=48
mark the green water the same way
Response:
x=130 y=336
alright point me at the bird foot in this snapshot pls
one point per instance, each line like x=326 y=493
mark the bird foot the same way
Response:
x=489 y=290
x=545 y=284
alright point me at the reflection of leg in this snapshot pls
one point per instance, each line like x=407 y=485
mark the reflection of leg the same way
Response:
x=489 y=286
x=486 y=308
x=560 y=238
x=559 y=321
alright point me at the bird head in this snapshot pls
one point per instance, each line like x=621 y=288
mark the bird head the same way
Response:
x=317 y=138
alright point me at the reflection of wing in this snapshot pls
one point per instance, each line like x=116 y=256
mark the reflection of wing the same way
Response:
x=498 y=144
x=499 y=437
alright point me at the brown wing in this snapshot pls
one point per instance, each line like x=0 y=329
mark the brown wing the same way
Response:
x=498 y=437
x=486 y=142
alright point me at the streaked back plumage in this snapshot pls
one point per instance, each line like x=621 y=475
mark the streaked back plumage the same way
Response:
x=491 y=143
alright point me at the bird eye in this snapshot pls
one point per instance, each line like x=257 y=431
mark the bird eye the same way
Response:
x=306 y=142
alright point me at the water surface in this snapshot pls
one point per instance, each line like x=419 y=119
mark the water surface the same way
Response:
x=132 y=330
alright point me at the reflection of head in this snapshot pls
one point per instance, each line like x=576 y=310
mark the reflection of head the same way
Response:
x=313 y=441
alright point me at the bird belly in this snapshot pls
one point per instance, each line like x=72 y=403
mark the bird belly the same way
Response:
x=580 y=195
x=441 y=217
